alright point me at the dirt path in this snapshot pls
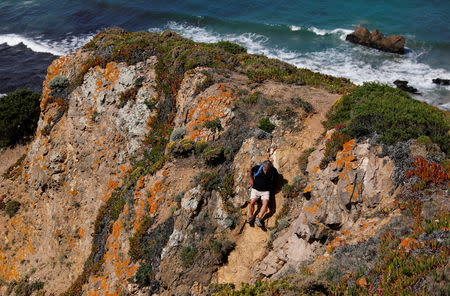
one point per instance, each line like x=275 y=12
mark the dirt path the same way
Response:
x=251 y=244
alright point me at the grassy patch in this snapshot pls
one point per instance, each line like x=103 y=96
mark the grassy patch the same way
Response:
x=12 y=207
x=14 y=170
x=306 y=106
x=391 y=113
x=266 y=125
x=208 y=180
x=187 y=255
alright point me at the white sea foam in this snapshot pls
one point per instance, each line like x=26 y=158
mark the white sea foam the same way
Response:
x=295 y=28
x=347 y=60
x=341 y=32
x=41 y=45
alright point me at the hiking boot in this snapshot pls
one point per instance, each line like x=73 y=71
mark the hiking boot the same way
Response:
x=251 y=220
x=258 y=222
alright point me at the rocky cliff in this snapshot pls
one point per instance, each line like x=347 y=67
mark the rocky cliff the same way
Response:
x=136 y=182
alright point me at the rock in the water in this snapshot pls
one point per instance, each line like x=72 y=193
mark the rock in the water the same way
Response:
x=403 y=85
x=393 y=43
x=441 y=81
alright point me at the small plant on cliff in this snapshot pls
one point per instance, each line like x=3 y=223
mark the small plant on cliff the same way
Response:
x=214 y=125
x=306 y=106
x=208 y=180
x=58 y=83
x=188 y=255
x=12 y=207
x=177 y=134
x=266 y=125
x=332 y=146
x=19 y=113
x=14 y=170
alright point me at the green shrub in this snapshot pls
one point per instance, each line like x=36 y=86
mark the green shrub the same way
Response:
x=214 y=125
x=12 y=207
x=231 y=47
x=188 y=255
x=144 y=274
x=266 y=125
x=391 y=113
x=200 y=147
x=177 y=134
x=424 y=140
x=216 y=246
x=19 y=114
x=208 y=180
x=306 y=106
x=58 y=83
x=252 y=98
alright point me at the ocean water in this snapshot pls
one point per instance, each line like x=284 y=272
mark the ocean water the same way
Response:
x=309 y=34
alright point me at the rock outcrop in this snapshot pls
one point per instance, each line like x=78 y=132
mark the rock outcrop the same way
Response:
x=403 y=85
x=441 y=81
x=136 y=182
x=375 y=39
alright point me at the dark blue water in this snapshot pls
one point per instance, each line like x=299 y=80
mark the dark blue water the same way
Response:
x=305 y=33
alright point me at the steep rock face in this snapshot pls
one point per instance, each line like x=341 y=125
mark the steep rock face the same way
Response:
x=72 y=168
x=338 y=200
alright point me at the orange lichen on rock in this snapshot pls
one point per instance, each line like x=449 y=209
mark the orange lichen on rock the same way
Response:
x=8 y=270
x=407 y=244
x=107 y=76
x=209 y=109
x=314 y=207
x=118 y=266
x=335 y=243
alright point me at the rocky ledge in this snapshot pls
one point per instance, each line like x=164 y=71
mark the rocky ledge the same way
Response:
x=362 y=36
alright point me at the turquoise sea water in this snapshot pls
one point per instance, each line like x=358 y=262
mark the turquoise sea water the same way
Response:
x=307 y=34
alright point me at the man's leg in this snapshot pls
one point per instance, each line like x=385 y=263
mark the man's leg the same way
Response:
x=251 y=208
x=265 y=202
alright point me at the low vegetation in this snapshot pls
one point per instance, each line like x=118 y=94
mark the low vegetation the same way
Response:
x=266 y=125
x=12 y=207
x=410 y=265
x=391 y=113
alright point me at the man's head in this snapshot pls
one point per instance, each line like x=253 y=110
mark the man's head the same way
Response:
x=267 y=165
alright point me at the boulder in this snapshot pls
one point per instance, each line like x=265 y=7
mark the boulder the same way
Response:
x=441 y=81
x=403 y=85
x=362 y=36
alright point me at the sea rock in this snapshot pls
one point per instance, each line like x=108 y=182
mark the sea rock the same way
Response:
x=441 y=81
x=403 y=85
x=362 y=36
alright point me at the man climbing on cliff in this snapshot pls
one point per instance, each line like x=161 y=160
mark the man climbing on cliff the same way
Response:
x=262 y=180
